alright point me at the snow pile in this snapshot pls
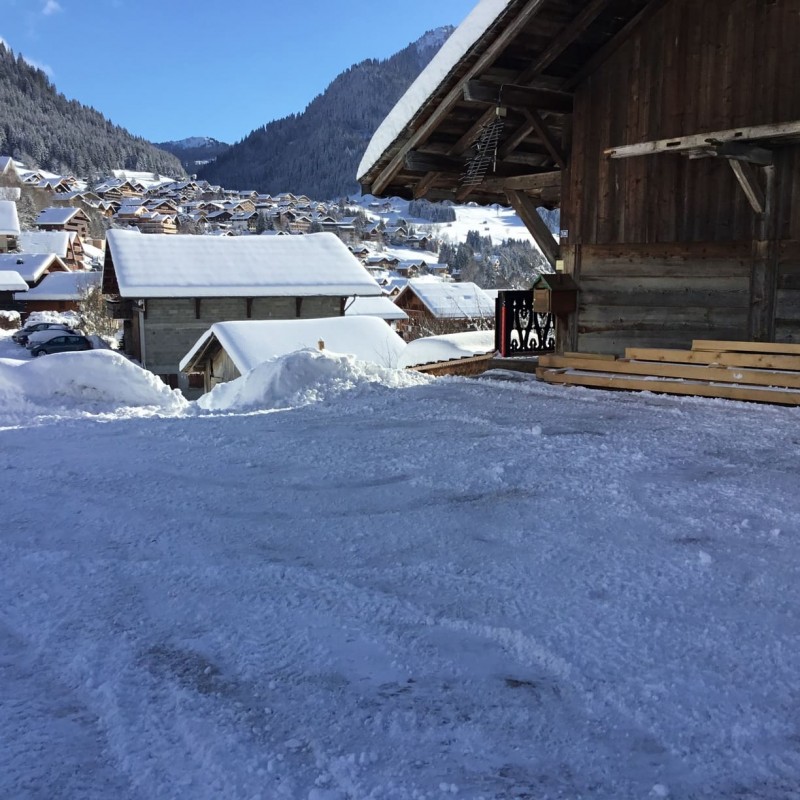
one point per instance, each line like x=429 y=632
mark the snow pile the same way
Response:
x=70 y=318
x=85 y=381
x=301 y=378
x=9 y=320
x=448 y=347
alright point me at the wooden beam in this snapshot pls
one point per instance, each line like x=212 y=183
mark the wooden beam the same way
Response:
x=516 y=96
x=535 y=182
x=666 y=386
x=771 y=348
x=428 y=162
x=764 y=272
x=742 y=151
x=748 y=180
x=526 y=209
x=422 y=188
x=611 y=47
x=680 y=370
x=722 y=358
x=540 y=126
x=702 y=141
x=569 y=34
x=517 y=23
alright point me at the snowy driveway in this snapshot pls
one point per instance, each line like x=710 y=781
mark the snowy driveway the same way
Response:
x=466 y=589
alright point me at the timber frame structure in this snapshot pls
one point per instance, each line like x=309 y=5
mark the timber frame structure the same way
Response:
x=668 y=134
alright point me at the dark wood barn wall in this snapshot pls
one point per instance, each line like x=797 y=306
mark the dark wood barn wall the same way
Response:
x=662 y=243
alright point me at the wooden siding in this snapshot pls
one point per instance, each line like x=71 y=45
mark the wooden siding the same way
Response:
x=667 y=248
x=662 y=295
x=694 y=67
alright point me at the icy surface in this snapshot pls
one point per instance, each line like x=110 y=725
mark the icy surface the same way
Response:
x=162 y=265
x=485 y=588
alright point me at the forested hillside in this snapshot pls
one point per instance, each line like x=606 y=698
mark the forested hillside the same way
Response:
x=194 y=151
x=42 y=128
x=317 y=151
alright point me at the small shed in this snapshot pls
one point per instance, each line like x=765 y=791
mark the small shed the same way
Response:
x=229 y=349
x=59 y=291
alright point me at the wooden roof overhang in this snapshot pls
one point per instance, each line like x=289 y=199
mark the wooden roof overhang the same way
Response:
x=523 y=69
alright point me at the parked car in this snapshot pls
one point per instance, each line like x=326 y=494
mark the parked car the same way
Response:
x=69 y=342
x=37 y=337
x=21 y=336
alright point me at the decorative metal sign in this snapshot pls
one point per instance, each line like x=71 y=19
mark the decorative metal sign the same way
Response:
x=519 y=330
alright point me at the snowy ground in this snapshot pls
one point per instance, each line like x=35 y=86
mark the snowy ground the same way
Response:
x=462 y=588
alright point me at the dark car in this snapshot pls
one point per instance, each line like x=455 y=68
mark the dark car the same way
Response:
x=67 y=343
x=21 y=336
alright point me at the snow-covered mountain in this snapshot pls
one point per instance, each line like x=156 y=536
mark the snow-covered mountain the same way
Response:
x=195 y=151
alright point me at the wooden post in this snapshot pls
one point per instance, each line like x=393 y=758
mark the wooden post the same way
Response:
x=764 y=273
x=526 y=209
x=567 y=328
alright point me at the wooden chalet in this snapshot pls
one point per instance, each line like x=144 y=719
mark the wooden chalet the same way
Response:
x=666 y=131
x=69 y=218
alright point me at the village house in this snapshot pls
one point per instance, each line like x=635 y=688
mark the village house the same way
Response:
x=67 y=245
x=667 y=133
x=11 y=285
x=228 y=350
x=380 y=307
x=32 y=268
x=436 y=307
x=58 y=291
x=168 y=290
x=68 y=218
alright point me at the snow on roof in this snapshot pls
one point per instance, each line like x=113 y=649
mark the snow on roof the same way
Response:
x=12 y=281
x=30 y=266
x=451 y=300
x=63 y=286
x=44 y=242
x=146 y=179
x=381 y=307
x=56 y=216
x=252 y=342
x=9 y=221
x=452 y=52
x=162 y=265
x=449 y=347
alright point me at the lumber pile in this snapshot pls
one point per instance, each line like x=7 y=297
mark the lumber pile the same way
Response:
x=760 y=372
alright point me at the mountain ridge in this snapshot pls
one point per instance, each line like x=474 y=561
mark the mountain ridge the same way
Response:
x=41 y=127
x=316 y=151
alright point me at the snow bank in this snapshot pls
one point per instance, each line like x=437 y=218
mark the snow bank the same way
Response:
x=84 y=381
x=449 y=347
x=300 y=378
x=71 y=318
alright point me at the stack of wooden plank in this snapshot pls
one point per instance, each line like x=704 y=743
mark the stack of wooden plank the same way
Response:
x=760 y=372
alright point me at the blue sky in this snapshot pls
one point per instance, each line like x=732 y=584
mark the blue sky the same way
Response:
x=167 y=69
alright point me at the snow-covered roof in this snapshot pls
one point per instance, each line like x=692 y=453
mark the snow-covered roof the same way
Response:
x=45 y=242
x=381 y=307
x=63 y=286
x=429 y=80
x=31 y=266
x=163 y=265
x=56 y=216
x=252 y=342
x=9 y=221
x=12 y=281
x=451 y=300
x=449 y=347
